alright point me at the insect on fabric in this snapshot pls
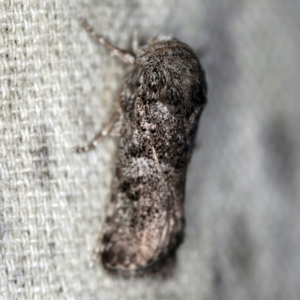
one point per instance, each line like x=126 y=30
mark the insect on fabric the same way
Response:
x=160 y=105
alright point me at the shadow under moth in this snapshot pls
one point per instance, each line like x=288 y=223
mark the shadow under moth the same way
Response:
x=160 y=105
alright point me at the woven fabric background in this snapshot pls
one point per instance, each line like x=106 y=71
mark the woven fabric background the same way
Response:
x=58 y=88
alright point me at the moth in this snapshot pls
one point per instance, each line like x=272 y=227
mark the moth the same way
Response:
x=160 y=105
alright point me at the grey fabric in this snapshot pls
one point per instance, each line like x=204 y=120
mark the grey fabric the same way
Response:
x=58 y=89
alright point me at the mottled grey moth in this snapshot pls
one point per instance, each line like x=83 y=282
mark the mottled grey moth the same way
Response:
x=160 y=105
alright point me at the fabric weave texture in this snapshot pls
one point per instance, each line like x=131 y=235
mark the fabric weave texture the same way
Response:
x=58 y=87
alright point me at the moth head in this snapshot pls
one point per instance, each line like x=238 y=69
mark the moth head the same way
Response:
x=153 y=43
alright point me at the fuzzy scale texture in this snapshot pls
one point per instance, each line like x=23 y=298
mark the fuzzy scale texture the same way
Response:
x=161 y=103
x=58 y=88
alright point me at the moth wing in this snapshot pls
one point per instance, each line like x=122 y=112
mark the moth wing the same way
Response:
x=141 y=233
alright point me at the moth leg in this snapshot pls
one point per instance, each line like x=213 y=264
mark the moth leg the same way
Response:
x=135 y=42
x=121 y=54
x=99 y=136
x=116 y=129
